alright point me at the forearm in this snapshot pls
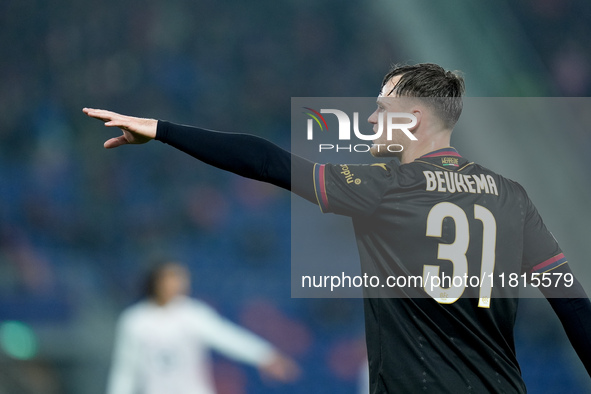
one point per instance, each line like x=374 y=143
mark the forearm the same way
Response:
x=573 y=308
x=243 y=154
x=575 y=316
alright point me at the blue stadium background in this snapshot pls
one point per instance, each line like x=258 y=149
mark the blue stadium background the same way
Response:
x=79 y=224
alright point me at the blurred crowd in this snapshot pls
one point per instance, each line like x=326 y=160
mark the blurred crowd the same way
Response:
x=79 y=225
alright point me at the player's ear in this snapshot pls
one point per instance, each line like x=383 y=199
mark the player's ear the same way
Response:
x=418 y=114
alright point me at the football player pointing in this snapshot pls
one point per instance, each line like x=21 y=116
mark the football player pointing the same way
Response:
x=430 y=213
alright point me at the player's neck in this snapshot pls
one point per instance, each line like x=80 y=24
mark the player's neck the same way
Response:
x=160 y=302
x=163 y=300
x=425 y=145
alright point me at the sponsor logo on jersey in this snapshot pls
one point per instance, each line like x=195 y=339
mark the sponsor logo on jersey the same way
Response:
x=449 y=161
x=381 y=165
x=349 y=176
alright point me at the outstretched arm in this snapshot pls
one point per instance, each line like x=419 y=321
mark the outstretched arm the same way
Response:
x=236 y=342
x=243 y=154
x=573 y=308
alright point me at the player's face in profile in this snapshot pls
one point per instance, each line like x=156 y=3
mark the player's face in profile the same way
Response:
x=172 y=282
x=387 y=102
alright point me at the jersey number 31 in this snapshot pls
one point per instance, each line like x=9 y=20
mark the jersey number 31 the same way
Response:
x=456 y=253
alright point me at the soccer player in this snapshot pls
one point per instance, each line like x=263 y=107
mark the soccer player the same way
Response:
x=430 y=213
x=163 y=342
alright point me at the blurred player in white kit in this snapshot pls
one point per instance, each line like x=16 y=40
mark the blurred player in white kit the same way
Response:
x=162 y=343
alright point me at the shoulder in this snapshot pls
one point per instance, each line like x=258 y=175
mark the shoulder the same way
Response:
x=136 y=309
x=377 y=168
x=503 y=180
x=196 y=307
x=134 y=314
x=354 y=174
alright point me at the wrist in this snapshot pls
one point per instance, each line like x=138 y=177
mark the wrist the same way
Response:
x=161 y=130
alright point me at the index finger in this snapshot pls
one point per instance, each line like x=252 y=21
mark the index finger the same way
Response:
x=101 y=114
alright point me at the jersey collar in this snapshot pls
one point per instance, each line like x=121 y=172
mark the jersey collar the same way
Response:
x=446 y=158
x=449 y=151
